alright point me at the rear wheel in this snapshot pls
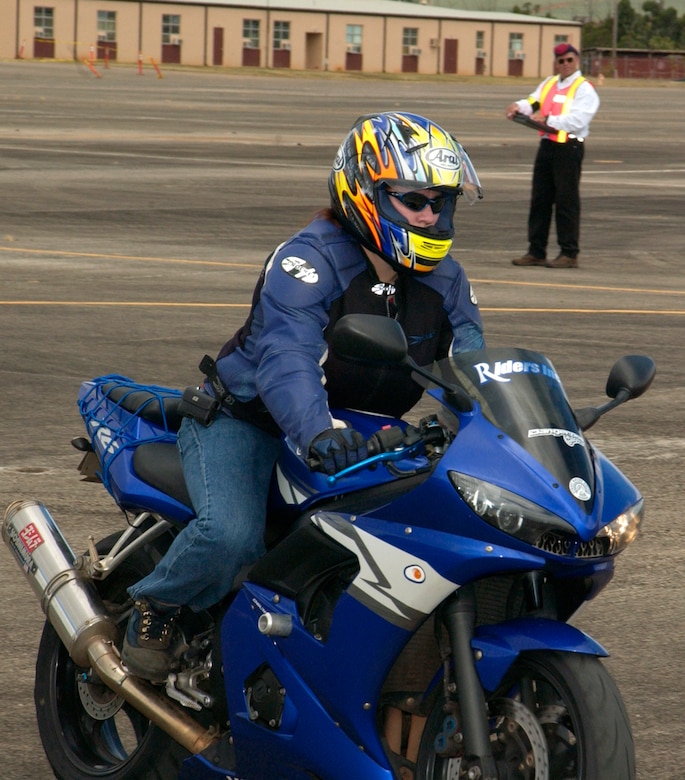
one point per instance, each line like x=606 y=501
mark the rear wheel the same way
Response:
x=87 y=730
x=557 y=716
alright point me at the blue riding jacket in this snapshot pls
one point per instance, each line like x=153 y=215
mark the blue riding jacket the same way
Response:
x=281 y=354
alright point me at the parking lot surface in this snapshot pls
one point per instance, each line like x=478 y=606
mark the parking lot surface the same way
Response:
x=135 y=214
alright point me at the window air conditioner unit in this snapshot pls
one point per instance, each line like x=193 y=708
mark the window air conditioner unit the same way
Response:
x=175 y=40
x=285 y=45
x=414 y=50
x=435 y=43
x=39 y=32
x=102 y=36
x=519 y=55
x=352 y=48
x=481 y=54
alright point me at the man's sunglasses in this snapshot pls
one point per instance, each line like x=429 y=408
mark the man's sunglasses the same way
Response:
x=562 y=60
x=415 y=201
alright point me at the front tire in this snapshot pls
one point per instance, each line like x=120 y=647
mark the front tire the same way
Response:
x=87 y=730
x=566 y=701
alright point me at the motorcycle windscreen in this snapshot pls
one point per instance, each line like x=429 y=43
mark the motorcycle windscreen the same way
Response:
x=520 y=393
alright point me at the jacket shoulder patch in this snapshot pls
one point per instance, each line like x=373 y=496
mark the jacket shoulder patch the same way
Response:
x=300 y=269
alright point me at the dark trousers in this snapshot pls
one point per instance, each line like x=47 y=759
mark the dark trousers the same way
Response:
x=556 y=184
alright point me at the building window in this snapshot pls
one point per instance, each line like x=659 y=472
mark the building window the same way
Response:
x=281 y=35
x=44 y=22
x=171 y=28
x=107 y=26
x=353 y=38
x=410 y=40
x=515 y=46
x=251 y=33
x=480 y=39
x=560 y=39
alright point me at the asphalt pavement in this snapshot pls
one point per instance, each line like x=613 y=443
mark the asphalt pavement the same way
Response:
x=136 y=211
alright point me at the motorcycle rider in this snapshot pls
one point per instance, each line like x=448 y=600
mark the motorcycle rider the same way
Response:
x=381 y=248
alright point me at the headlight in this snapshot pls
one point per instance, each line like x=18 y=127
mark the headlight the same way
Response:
x=619 y=533
x=507 y=511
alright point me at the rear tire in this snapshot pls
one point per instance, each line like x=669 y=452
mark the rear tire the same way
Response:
x=88 y=731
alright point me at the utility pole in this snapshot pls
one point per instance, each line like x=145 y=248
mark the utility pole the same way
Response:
x=614 y=39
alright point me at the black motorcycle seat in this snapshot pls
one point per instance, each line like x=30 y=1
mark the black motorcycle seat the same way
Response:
x=146 y=404
x=159 y=464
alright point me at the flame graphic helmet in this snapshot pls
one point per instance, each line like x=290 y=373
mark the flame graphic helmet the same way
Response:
x=387 y=150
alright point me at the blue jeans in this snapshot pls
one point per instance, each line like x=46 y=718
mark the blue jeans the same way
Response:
x=227 y=468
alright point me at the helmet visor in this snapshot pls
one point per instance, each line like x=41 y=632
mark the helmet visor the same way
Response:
x=469 y=187
x=470 y=184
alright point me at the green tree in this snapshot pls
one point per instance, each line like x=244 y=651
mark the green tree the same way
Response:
x=656 y=28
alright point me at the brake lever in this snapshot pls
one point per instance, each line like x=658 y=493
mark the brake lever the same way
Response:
x=371 y=461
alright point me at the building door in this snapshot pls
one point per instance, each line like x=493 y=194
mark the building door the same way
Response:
x=410 y=63
x=218 y=48
x=353 y=60
x=43 y=48
x=515 y=67
x=171 y=53
x=450 y=56
x=313 y=54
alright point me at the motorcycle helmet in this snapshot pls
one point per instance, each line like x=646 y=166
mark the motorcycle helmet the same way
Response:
x=388 y=150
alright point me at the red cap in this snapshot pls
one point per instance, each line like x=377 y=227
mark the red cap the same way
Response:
x=565 y=48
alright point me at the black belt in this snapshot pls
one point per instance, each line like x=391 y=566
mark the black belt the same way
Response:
x=253 y=411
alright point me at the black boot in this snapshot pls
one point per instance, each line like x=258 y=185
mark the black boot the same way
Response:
x=147 y=650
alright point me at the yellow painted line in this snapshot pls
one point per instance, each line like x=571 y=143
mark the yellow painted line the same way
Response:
x=562 y=286
x=255 y=266
x=130 y=258
x=501 y=309
x=230 y=264
x=489 y=309
x=129 y=303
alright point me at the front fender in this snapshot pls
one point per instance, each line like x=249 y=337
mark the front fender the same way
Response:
x=497 y=646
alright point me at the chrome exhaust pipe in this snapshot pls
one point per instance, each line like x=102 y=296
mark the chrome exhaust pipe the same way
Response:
x=67 y=596
x=73 y=606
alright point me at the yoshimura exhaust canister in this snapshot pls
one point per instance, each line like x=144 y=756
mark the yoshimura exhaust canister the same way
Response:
x=67 y=597
x=73 y=607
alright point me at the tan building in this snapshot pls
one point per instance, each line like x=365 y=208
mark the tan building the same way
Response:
x=374 y=36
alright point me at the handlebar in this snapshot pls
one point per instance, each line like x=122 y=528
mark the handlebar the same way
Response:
x=393 y=443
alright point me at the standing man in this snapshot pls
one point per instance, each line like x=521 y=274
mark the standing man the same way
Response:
x=565 y=104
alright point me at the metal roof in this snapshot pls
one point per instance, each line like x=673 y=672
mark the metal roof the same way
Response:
x=378 y=8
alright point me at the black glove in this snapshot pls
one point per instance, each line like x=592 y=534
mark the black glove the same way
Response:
x=336 y=448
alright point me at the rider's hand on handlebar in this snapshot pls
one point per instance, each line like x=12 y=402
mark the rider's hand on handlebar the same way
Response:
x=336 y=448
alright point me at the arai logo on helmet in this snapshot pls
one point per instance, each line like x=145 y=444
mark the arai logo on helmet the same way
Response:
x=444 y=158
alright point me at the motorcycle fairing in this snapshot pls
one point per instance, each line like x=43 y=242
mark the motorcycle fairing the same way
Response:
x=405 y=572
x=331 y=689
x=520 y=392
x=500 y=644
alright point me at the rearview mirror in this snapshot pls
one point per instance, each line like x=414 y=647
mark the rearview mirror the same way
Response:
x=369 y=338
x=632 y=374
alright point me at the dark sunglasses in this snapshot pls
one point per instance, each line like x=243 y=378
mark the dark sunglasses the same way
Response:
x=562 y=60
x=415 y=201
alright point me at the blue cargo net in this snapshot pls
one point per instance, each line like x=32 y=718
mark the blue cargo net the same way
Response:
x=120 y=414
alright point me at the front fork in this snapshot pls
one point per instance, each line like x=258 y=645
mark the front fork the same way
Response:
x=459 y=617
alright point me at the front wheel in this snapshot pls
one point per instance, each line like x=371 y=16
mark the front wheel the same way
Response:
x=87 y=730
x=556 y=716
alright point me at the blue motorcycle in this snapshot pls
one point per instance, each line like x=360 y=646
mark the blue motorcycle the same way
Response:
x=409 y=619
